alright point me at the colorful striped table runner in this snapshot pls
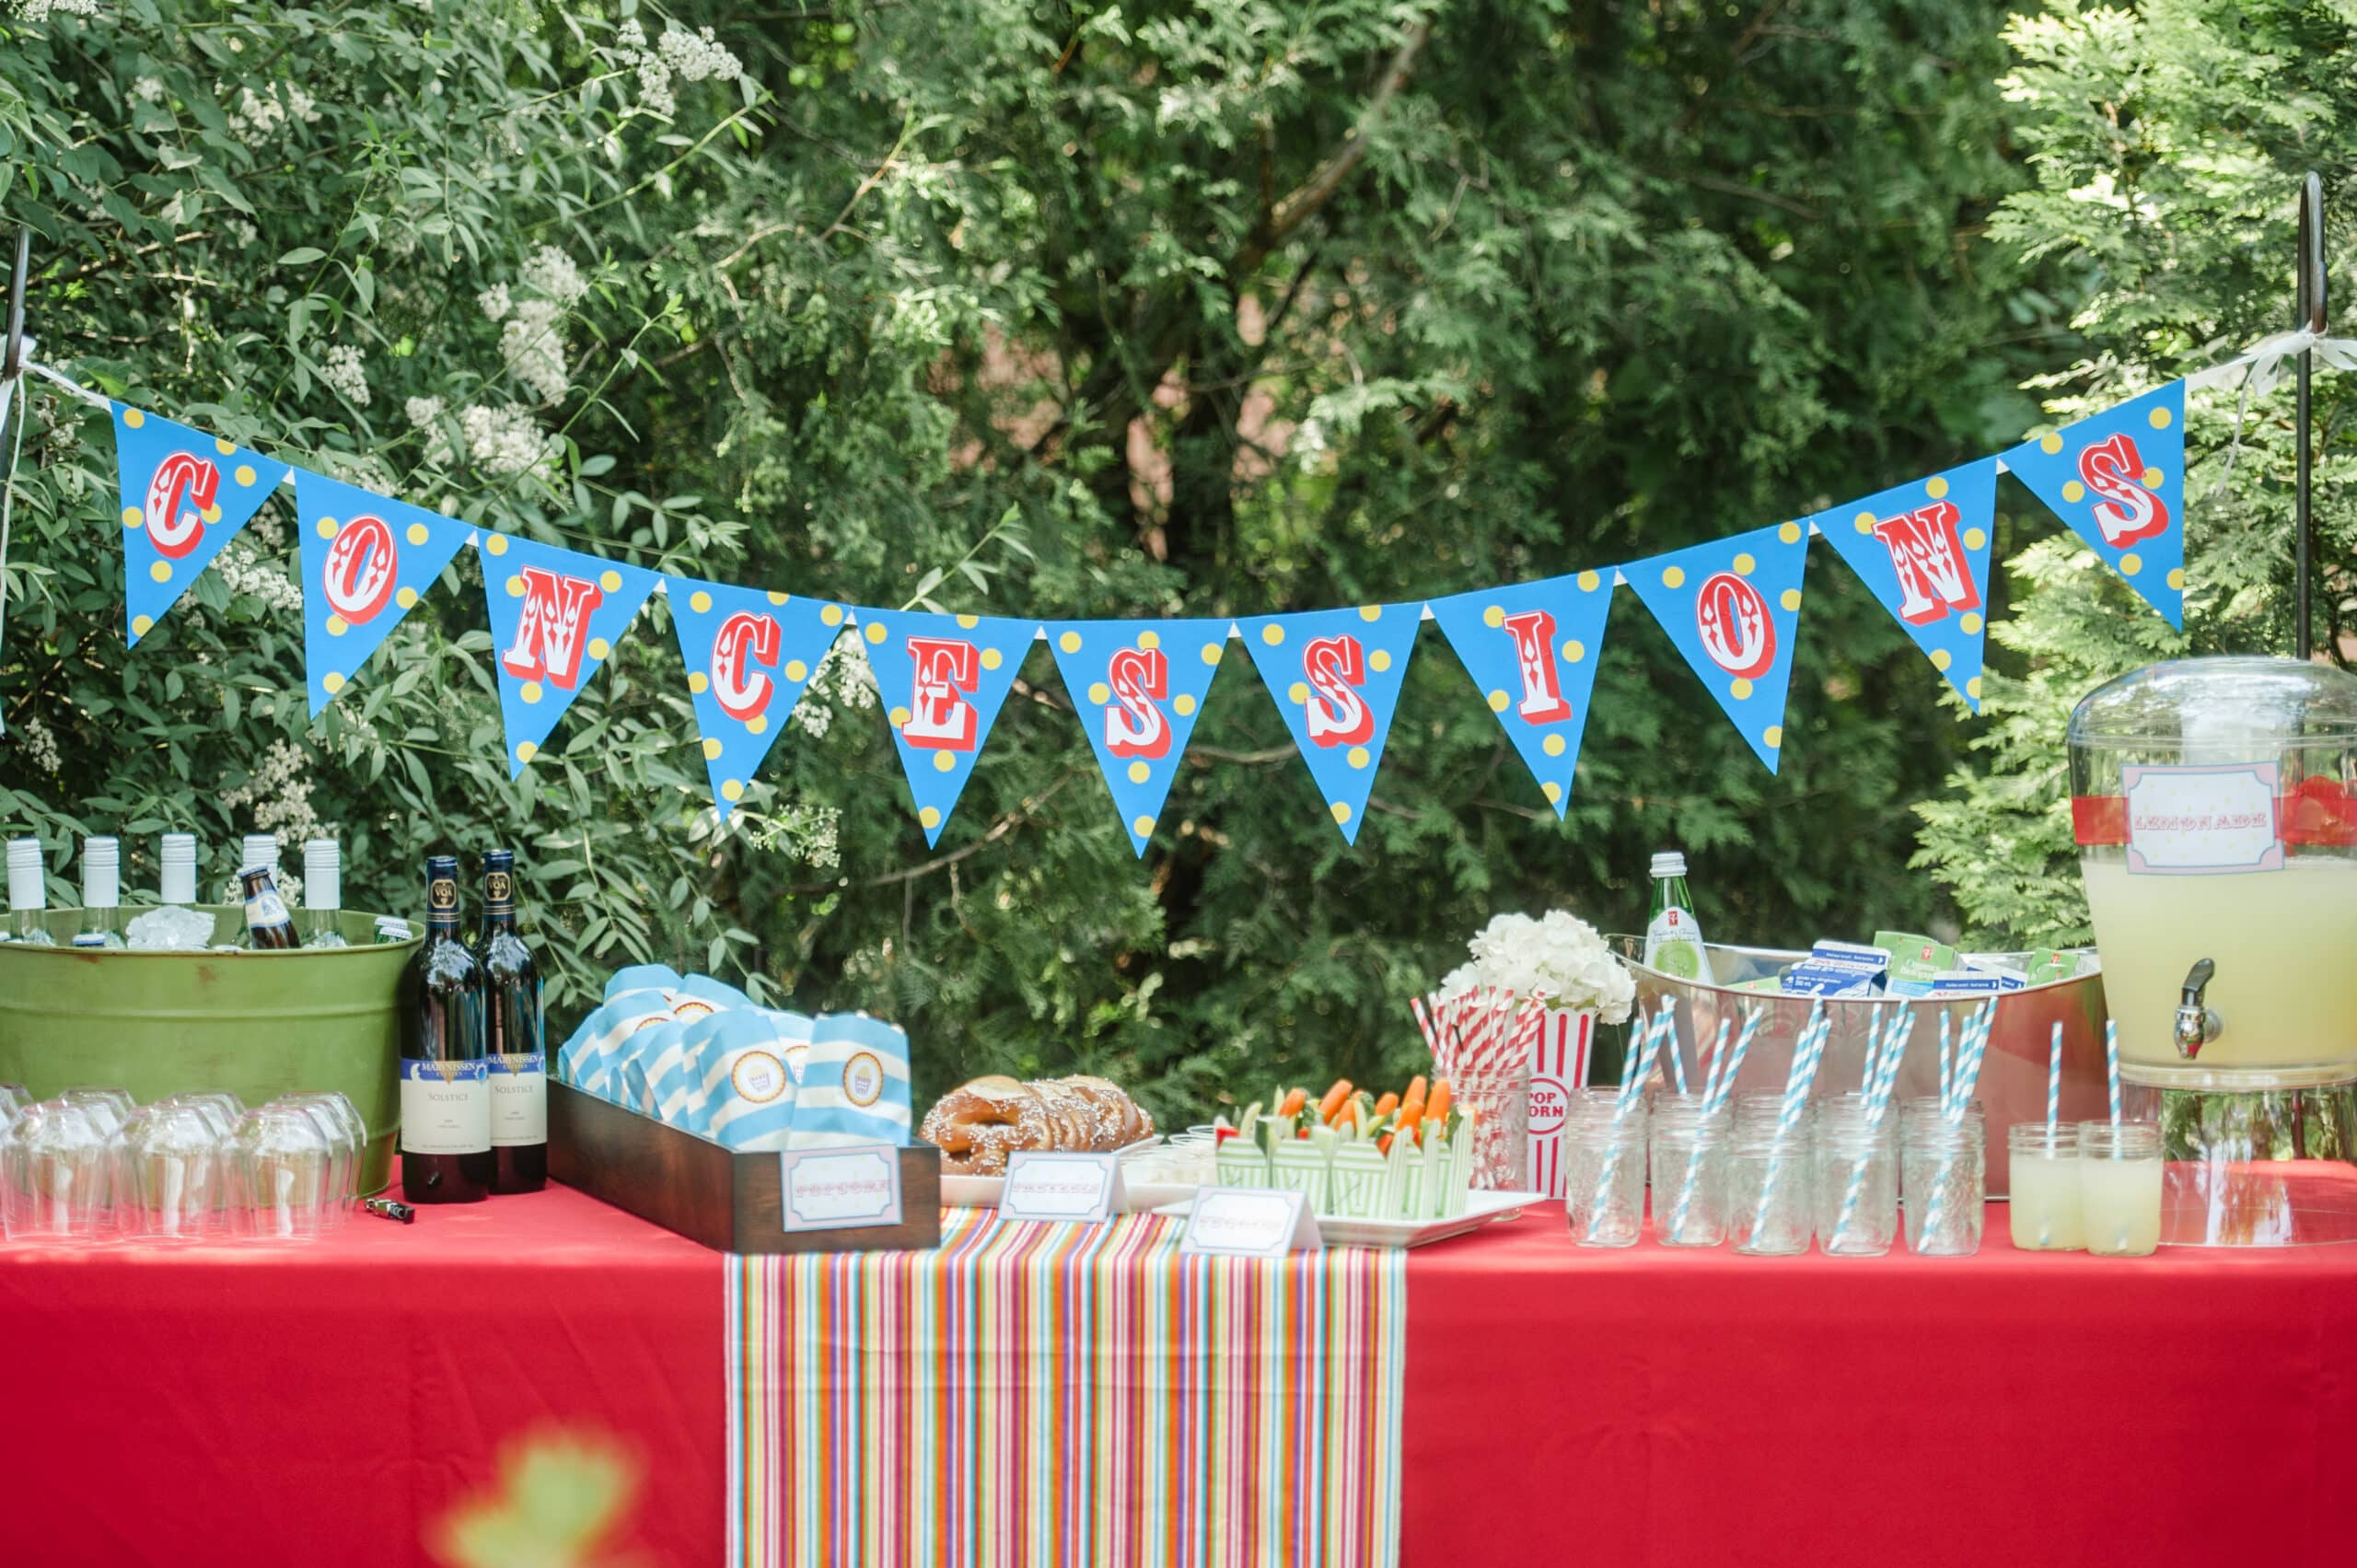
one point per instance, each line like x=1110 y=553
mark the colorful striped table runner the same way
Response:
x=1065 y=1394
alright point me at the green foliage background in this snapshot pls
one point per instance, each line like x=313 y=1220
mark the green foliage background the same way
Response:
x=1173 y=308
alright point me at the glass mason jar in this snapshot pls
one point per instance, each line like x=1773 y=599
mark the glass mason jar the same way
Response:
x=1767 y=1198
x=2042 y=1210
x=2119 y=1187
x=1927 y=1108
x=1604 y=1169
x=1855 y=1187
x=1689 y=1171
x=1761 y=1108
x=1943 y=1171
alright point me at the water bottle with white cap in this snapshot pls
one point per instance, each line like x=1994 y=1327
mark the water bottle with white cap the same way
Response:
x=27 y=895
x=1673 y=941
x=175 y=923
x=101 y=894
x=322 y=894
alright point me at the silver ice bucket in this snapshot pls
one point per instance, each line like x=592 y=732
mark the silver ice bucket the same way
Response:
x=2012 y=1075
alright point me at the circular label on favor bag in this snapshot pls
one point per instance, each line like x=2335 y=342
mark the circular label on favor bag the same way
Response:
x=863 y=1079
x=759 y=1076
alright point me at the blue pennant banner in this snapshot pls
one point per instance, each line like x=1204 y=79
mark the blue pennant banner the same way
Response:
x=749 y=654
x=2118 y=478
x=941 y=680
x=555 y=616
x=1923 y=550
x=367 y=561
x=1733 y=608
x=1138 y=687
x=184 y=496
x=1531 y=650
x=1336 y=673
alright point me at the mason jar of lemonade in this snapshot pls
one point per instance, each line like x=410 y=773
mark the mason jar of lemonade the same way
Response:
x=2215 y=802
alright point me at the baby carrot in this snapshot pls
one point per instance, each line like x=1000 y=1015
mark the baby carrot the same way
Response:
x=1333 y=1100
x=1387 y=1105
x=1411 y=1104
x=1348 y=1117
x=1294 y=1101
x=1436 y=1109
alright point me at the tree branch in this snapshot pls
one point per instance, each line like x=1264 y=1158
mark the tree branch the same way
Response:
x=1298 y=205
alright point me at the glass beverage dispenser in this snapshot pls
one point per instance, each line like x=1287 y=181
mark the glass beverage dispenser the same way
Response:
x=2215 y=802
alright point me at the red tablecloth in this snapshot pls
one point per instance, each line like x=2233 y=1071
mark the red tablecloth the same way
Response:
x=314 y=1405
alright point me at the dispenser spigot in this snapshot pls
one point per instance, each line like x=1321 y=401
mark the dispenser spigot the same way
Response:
x=2197 y=1025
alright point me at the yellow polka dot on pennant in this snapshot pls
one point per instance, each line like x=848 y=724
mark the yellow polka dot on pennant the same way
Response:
x=2152 y=478
x=1772 y=736
x=1865 y=522
x=245 y=474
x=1297 y=692
x=1589 y=582
x=133 y=418
x=2131 y=563
x=1341 y=811
x=2075 y=491
x=757 y=723
x=1789 y=599
x=1182 y=704
x=796 y=670
x=1790 y=533
x=1149 y=639
x=610 y=581
x=1069 y=642
x=711 y=750
x=496 y=545
x=992 y=658
x=1553 y=791
x=131 y=518
x=516 y=588
x=874 y=633
x=331 y=683
x=698 y=682
x=224 y=448
x=944 y=762
x=1972 y=688
x=1941 y=659
x=405 y=598
x=1971 y=621
x=1139 y=772
x=531 y=692
x=777 y=598
x=1974 y=539
x=1936 y=488
x=1370 y=612
x=2051 y=443
x=1498 y=701
x=700 y=601
x=930 y=818
x=732 y=791
x=1574 y=651
x=900 y=716
x=525 y=750
x=211 y=514
x=1358 y=757
x=1740 y=690
x=1673 y=578
x=143 y=625
x=2177 y=578
x=1101 y=693
x=1215 y=652
x=2161 y=418
x=161 y=571
x=599 y=647
x=1273 y=635
x=1494 y=616
x=832 y=615
x=1142 y=826
x=1379 y=660
x=337 y=626
x=417 y=533
x=1744 y=564
x=1554 y=745
x=970 y=621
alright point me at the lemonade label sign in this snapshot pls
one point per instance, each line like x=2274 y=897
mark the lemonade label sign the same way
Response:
x=2201 y=821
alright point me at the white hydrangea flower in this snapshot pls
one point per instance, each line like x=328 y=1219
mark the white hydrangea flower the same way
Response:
x=347 y=374
x=504 y=440
x=1561 y=958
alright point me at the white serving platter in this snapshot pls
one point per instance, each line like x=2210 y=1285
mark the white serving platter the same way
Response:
x=1346 y=1230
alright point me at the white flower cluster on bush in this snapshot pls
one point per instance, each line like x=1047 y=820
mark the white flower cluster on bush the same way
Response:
x=38 y=744
x=257 y=117
x=1559 y=957
x=531 y=341
x=843 y=676
x=692 y=56
x=347 y=374
x=505 y=439
x=243 y=572
x=280 y=795
x=42 y=10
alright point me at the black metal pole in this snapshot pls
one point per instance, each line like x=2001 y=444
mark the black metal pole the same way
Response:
x=2311 y=289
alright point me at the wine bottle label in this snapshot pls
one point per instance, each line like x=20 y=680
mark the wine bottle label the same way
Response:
x=266 y=910
x=1673 y=944
x=498 y=892
x=519 y=1099
x=445 y=1107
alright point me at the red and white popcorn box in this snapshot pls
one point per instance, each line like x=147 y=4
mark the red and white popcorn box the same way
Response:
x=1559 y=1062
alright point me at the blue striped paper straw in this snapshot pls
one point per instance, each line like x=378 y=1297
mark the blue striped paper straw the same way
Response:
x=1888 y=1053
x=2111 y=1065
x=1972 y=1043
x=1676 y=1059
x=1944 y=1062
x=2054 y=1081
x=1806 y=1054
x=1718 y=1063
x=1735 y=1063
x=1633 y=1079
x=1710 y=1108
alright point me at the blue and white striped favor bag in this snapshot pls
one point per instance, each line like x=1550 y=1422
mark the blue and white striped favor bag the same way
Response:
x=745 y=1092
x=855 y=1084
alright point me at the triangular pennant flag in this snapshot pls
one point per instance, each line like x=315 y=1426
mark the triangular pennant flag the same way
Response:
x=184 y=496
x=749 y=654
x=367 y=561
x=1733 y=608
x=2118 y=478
x=1138 y=686
x=943 y=678
x=1336 y=673
x=1923 y=550
x=555 y=615
x=1532 y=648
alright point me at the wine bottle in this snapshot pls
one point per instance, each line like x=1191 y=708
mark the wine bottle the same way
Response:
x=27 y=895
x=268 y=928
x=101 y=894
x=322 y=923
x=519 y=1092
x=445 y=1093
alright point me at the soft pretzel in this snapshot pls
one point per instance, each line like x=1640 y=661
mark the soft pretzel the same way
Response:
x=978 y=1124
